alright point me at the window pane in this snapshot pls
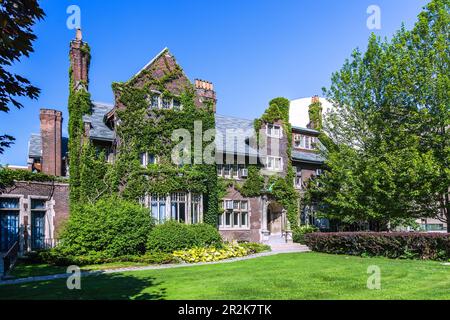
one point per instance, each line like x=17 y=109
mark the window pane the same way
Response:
x=37 y=204
x=176 y=104
x=166 y=103
x=182 y=212
x=7 y=203
x=174 y=211
x=236 y=205
x=227 y=218
x=244 y=205
x=155 y=101
x=219 y=169
x=162 y=212
x=236 y=219
x=151 y=159
x=244 y=219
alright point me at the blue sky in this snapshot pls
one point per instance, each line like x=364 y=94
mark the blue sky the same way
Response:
x=252 y=50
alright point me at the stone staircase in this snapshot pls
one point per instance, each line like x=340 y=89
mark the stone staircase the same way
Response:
x=278 y=244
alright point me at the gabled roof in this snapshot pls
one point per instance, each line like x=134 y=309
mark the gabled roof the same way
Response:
x=151 y=62
x=99 y=130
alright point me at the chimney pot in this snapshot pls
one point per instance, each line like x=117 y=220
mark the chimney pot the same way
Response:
x=79 y=35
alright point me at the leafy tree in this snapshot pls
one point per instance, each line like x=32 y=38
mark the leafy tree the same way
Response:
x=390 y=127
x=16 y=19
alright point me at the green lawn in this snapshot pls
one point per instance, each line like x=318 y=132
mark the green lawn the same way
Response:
x=286 y=276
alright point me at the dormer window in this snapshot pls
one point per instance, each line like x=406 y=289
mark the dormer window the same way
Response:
x=273 y=131
x=304 y=142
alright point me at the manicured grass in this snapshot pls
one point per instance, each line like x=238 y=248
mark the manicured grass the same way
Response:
x=285 y=276
x=23 y=270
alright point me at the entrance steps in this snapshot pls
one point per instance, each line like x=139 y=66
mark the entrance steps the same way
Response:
x=278 y=244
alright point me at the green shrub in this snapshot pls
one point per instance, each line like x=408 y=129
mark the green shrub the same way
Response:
x=298 y=234
x=109 y=228
x=254 y=247
x=402 y=245
x=173 y=235
x=206 y=235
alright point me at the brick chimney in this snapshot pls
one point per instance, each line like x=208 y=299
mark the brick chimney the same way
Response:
x=51 y=126
x=79 y=60
x=315 y=120
x=205 y=92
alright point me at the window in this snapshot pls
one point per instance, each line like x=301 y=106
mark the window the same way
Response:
x=156 y=101
x=146 y=158
x=38 y=211
x=178 y=206
x=158 y=208
x=235 y=215
x=304 y=142
x=226 y=170
x=273 y=131
x=243 y=171
x=219 y=170
x=166 y=103
x=9 y=222
x=274 y=163
x=235 y=171
x=195 y=208
x=176 y=104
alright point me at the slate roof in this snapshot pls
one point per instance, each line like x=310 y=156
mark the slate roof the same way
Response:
x=99 y=130
x=243 y=130
x=307 y=157
x=35 y=146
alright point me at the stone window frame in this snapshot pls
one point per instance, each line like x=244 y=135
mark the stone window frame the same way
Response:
x=25 y=214
x=160 y=101
x=146 y=201
x=303 y=143
x=272 y=168
x=220 y=168
x=270 y=127
x=144 y=158
x=232 y=213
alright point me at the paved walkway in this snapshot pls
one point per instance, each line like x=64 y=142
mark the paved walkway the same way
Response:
x=276 y=249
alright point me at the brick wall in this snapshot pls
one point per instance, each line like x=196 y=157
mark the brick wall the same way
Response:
x=255 y=219
x=56 y=193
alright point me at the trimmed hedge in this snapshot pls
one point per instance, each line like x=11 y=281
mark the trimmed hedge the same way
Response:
x=402 y=245
x=172 y=236
x=298 y=233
